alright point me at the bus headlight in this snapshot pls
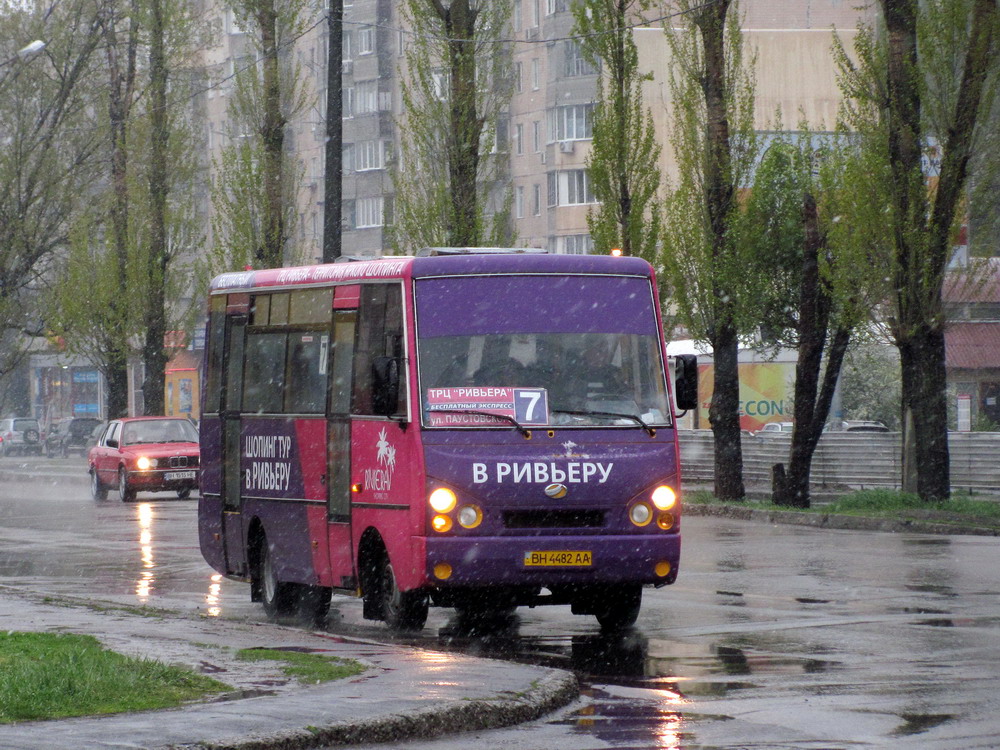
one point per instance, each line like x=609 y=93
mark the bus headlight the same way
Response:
x=664 y=497
x=442 y=500
x=469 y=516
x=144 y=463
x=640 y=514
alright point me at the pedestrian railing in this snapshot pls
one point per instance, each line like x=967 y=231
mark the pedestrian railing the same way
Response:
x=855 y=459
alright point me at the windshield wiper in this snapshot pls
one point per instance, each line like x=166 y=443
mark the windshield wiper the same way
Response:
x=506 y=417
x=610 y=414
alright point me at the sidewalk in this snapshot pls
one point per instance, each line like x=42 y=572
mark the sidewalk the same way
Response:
x=404 y=693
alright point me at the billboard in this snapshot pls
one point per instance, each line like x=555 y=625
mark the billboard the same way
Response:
x=766 y=390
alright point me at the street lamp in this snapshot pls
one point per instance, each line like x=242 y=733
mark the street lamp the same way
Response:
x=26 y=51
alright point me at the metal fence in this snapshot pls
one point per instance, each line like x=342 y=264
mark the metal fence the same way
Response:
x=855 y=459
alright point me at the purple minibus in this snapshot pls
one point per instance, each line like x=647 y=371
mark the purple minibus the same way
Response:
x=477 y=429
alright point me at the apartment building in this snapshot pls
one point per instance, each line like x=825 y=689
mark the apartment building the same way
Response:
x=549 y=128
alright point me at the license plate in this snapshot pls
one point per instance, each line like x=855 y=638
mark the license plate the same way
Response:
x=558 y=558
x=170 y=475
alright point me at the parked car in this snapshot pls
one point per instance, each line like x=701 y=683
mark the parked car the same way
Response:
x=70 y=435
x=774 y=428
x=862 y=425
x=20 y=435
x=145 y=454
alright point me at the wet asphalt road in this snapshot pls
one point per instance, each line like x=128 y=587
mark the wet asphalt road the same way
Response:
x=773 y=637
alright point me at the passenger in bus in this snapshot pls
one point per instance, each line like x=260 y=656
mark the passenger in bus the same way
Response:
x=498 y=368
x=598 y=376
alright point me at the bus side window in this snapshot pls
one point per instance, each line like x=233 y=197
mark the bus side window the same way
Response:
x=264 y=373
x=379 y=334
x=216 y=349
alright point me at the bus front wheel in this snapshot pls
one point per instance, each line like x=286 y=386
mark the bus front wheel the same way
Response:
x=619 y=609
x=278 y=598
x=401 y=610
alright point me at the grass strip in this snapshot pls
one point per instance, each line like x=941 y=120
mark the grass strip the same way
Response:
x=884 y=503
x=54 y=676
x=307 y=668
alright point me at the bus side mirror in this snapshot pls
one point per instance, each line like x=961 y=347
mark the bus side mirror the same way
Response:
x=686 y=381
x=385 y=385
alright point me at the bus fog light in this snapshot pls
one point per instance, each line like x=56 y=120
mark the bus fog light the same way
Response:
x=441 y=523
x=469 y=516
x=664 y=497
x=640 y=514
x=663 y=568
x=144 y=464
x=442 y=500
x=442 y=571
x=665 y=521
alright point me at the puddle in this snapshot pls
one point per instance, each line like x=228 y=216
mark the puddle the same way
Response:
x=918 y=723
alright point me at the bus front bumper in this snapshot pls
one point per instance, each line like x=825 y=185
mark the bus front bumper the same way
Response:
x=534 y=561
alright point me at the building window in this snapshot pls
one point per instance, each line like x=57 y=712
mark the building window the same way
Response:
x=366 y=40
x=519 y=202
x=534 y=74
x=536 y=136
x=536 y=199
x=519 y=139
x=347 y=102
x=346 y=47
x=369 y=212
x=516 y=15
x=347 y=157
x=366 y=97
x=535 y=17
x=517 y=77
x=570 y=188
x=573 y=123
x=572 y=244
x=576 y=63
x=554 y=6
x=369 y=156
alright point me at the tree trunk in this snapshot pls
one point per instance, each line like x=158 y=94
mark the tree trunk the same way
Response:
x=153 y=353
x=719 y=192
x=466 y=126
x=923 y=367
x=725 y=417
x=272 y=253
x=812 y=402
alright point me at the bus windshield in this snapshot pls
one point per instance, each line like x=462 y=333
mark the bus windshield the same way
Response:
x=543 y=350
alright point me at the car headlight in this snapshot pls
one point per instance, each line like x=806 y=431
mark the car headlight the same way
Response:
x=143 y=463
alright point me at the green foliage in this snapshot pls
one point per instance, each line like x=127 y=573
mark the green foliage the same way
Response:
x=47 y=159
x=870 y=387
x=456 y=83
x=623 y=164
x=711 y=275
x=53 y=676
x=255 y=191
x=307 y=668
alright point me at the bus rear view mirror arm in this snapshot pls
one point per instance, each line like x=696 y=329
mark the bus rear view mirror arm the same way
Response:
x=385 y=385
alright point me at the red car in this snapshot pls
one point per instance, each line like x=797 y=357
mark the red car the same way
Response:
x=145 y=454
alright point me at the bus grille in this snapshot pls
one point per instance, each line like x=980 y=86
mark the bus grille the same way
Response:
x=553 y=519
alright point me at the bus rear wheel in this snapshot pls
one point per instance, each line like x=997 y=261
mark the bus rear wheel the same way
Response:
x=401 y=610
x=278 y=598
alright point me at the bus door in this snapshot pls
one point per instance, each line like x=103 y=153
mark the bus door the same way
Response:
x=232 y=476
x=345 y=316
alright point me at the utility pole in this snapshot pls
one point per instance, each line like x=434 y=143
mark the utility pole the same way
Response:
x=334 y=133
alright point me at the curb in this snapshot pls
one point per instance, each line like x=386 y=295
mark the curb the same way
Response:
x=837 y=521
x=553 y=691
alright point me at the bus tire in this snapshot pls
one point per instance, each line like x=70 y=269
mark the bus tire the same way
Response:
x=97 y=490
x=277 y=597
x=314 y=602
x=401 y=610
x=620 y=608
